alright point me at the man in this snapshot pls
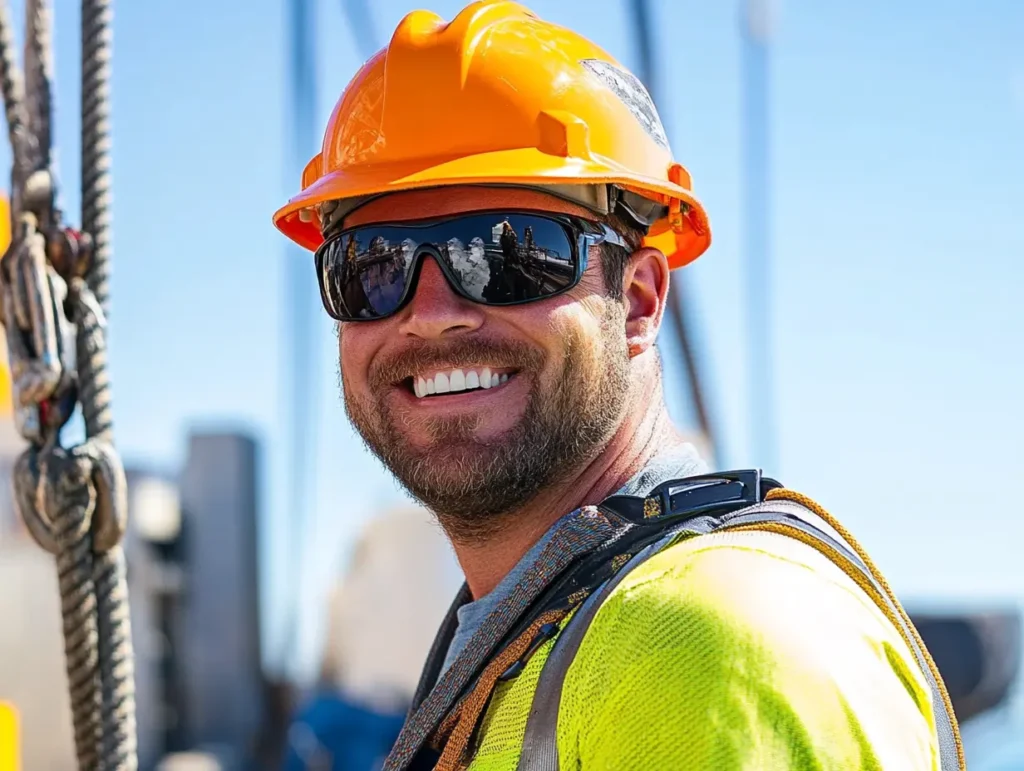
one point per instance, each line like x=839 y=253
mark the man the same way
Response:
x=623 y=610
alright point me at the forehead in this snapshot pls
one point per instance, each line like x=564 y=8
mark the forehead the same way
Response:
x=446 y=201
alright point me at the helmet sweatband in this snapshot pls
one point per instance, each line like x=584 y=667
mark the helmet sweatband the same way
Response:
x=603 y=200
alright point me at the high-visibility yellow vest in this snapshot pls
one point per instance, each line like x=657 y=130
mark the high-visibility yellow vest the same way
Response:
x=759 y=638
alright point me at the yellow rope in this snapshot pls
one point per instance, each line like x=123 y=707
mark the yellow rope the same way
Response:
x=790 y=495
x=452 y=759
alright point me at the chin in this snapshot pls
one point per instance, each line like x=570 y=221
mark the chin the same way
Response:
x=466 y=433
x=461 y=452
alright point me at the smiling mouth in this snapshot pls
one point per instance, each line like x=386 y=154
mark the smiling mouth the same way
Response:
x=456 y=380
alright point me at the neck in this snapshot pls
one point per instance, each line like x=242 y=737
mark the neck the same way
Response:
x=646 y=431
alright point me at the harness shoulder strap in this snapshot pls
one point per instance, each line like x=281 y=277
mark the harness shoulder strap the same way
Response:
x=540 y=743
x=786 y=513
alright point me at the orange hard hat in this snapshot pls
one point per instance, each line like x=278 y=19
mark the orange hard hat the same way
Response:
x=499 y=97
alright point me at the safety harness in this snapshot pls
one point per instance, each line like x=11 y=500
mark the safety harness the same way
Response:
x=589 y=552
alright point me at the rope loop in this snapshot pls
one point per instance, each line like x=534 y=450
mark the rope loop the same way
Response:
x=89 y=478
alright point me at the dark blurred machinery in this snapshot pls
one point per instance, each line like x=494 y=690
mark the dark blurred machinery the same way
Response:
x=978 y=655
x=195 y=608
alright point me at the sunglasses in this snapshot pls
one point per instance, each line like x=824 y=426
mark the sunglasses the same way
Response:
x=497 y=258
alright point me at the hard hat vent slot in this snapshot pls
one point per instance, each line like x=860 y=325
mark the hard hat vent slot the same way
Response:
x=562 y=134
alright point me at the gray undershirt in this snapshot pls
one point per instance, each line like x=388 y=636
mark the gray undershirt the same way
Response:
x=680 y=461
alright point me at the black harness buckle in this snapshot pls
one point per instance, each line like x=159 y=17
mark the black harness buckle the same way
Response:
x=718 y=493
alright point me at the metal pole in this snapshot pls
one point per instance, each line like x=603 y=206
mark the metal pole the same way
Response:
x=641 y=13
x=756 y=31
x=645 y=43
x=363 y=30
x=302 y=305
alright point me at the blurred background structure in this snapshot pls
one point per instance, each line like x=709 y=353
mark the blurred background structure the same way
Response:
x=852 y=330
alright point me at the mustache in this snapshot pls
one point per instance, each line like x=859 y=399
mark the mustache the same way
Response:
x=399 y=366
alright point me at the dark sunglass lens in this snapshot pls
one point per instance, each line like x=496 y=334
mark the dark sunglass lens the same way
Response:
x=504 y=259
x=363 y=273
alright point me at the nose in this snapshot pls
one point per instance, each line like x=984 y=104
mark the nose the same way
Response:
x=435 y=310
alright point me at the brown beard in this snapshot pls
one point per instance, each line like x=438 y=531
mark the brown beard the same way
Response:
x=471 y=485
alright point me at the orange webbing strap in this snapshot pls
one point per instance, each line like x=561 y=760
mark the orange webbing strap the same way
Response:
x=887 y=603
x=463 y=720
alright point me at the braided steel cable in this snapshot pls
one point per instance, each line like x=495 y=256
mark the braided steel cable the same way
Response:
x=38 y=80
x=97 y=45
x=117 y=671
x=13 y=90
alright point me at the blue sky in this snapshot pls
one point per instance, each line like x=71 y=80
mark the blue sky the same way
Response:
x=898 y=260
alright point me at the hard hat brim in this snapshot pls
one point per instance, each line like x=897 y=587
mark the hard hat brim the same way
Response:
x=527 y=166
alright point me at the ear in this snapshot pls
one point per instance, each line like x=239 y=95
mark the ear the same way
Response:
x=645 y=287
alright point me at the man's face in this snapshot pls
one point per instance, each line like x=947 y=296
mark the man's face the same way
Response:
x=560 y=366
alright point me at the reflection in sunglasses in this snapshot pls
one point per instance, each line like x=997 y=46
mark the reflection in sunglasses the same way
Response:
x=472 y=266
x=508 y=259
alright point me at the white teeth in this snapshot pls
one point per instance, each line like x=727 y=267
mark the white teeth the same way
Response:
x=456 y=380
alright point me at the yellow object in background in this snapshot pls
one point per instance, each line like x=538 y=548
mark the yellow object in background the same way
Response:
x=9 y=756
x=6 y=403
x=5 y=223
